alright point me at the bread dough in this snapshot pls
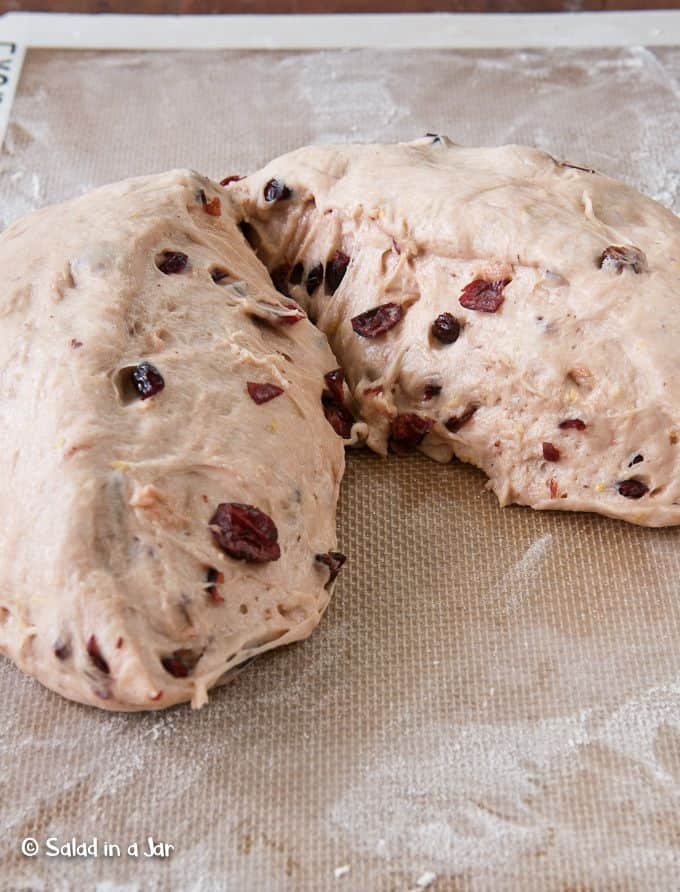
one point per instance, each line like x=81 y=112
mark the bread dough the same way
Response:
x=530 y=312
x=172 y=428
x=116 y=589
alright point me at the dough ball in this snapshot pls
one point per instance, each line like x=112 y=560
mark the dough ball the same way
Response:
x=169 y=477
x=493 y=304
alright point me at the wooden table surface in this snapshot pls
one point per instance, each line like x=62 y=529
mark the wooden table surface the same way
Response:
x=303 y=6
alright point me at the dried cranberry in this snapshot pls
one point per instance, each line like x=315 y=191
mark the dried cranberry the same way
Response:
x=633 y=488
x=431 y=390
x=617 y=258
x=636 y=460
x=551 y=452
x=339 y=417
x=214 y=578
x=276 y=191
x=172 y=262
x=335 y=271
x=147 y=380
x=262 y=393
x=180 y=663
x=445 y=328
x=377 y=321
x=296 y=274
x=212 y=207
x=334 y=561
x=96 y=656
x=574 y=423
x=334 y=382
x=333 y=402
x=484 y=295
x=234 y=178
x=455 y=423
x=314 y=278
x=62 y=649
x=279 y=277
x=554 y=490
x=245 y=533
x=408 y=431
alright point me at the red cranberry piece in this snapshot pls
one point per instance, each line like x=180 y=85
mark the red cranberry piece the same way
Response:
x=147 y=380
x=62 y=649
x=484 y=295
x=95 y=655
x=431 y=391
x=455 y=423
x=214 y=578
x=262 y=393
x=212 y=207
x=172 y=262
x=180 y=663
x=408 y=431
x=334 y=382
x=636 y=460
x=617 y=258
x=633 y=488
x=339 y=417
x=551 y=452
x=572 y=423
x=335 y=271
x=296 y=274
x=445 y=328
x=314 y=278
x=275 y=190
x=234 y=178
x=279 y=277
x=334 y=561
x=245 y=533
x=333 y=402
x=377 y=321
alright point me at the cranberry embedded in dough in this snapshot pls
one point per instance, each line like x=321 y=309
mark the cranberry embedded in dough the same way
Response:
x=263 y=393
x=245 y=533
x=484 y=295
x=172 y=262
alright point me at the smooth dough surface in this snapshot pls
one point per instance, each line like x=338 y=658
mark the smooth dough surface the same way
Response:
x=113 y=589
x=567 y=392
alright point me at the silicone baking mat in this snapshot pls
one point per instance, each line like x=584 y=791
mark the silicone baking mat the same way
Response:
x=493 y=699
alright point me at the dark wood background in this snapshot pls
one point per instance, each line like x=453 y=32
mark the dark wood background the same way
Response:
x=301 y=6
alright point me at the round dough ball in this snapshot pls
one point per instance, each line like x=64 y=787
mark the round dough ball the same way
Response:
x=169 y=478
x=494 y=304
